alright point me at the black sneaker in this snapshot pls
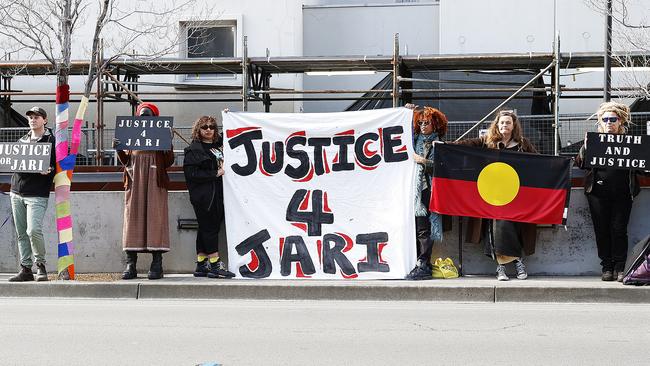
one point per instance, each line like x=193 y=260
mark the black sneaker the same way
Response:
x=25 y=274
x=420 y=272
x=202 y=268
x=219 y=270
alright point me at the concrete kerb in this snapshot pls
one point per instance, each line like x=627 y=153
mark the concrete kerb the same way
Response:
x=306 y=290
x=98 y=290
x=622 y=294
x=468 y=289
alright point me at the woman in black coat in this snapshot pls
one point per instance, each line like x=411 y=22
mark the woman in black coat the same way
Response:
x=610 y=193
x=203 y=168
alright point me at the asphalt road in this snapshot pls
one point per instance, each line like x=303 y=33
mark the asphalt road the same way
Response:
x=236 y=332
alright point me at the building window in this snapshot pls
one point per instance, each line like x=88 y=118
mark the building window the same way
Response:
x=207 y=39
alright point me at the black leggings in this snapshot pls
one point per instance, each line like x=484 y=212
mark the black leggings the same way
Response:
x=207 y=237
x=423 y=233
x=610 y=215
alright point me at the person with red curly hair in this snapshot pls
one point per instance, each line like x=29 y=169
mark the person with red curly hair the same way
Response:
x=429 y=126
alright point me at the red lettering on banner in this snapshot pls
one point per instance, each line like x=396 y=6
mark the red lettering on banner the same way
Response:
x=326 y=206
x=348 y=243
x=309 y=175
x=348 y=132
x=261 y=168
x=238 y=131
x=380 y=248
x=255 y=262
x=299 y=272
x=298 y=133
x=319 y=246
x=281 y=246
x=300 y=226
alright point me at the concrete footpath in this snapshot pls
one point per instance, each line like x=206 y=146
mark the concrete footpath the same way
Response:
x=466 y=289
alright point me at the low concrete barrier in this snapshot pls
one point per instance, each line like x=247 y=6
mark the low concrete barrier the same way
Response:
x=98 y=236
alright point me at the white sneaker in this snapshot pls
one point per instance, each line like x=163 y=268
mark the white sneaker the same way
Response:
x=521 y=269
x=501 y=273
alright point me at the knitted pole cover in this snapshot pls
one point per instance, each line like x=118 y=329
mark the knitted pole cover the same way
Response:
x=66 y=156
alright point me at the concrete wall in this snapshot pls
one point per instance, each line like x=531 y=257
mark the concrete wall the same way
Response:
x=98 y=219
x=98 y=237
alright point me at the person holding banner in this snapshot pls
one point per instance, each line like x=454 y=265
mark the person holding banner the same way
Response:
x=29 y=196
x=146 y=226
x=504 y=240
x=429 y=126
x=610 y=193
x=203 y=168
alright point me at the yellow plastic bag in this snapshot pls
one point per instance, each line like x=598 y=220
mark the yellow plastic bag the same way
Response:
x=444 y=268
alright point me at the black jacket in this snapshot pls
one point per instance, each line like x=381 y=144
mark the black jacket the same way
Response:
x=35 y=184
x=200 y=168
x=589 y=175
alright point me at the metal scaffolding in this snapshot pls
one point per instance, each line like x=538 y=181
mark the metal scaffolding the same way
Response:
x=120 y=81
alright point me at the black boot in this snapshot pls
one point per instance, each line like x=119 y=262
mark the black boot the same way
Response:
x=202 y=268
x=25 y=274
x=156 y=269
x=41 y=273
x=131 y=260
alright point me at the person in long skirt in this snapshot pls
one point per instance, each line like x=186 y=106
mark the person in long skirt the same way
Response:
x=146 y=224
x=505 y=241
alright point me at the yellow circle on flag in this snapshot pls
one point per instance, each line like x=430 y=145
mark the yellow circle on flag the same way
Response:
x=498 y=184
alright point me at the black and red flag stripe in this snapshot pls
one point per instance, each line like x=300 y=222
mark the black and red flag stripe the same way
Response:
x=541 y=195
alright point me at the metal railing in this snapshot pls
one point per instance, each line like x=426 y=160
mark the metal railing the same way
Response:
x=88 y=151
x=537 y=128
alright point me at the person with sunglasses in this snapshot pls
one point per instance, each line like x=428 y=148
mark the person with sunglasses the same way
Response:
x=429 y=125
x=146 y=226
x=203 y=168
x=610 y=193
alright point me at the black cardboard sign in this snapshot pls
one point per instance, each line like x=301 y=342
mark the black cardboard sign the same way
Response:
x=25 y=158
x=616 y=151
x=144 y=132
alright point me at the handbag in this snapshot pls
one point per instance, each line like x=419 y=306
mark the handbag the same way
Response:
x=444 y=268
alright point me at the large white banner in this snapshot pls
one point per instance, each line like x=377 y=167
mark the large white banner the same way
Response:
x=319 y=195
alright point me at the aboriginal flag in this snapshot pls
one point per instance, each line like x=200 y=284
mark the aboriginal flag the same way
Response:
x=499 y=184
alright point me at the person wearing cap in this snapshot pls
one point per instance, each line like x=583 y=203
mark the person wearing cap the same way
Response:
x=29 y=195
x=146 y=226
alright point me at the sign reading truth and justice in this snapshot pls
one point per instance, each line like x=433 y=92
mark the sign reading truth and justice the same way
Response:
x=25 y=158
x=606 y=150
x=144 y=132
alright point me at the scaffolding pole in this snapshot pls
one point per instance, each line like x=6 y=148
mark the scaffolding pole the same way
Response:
x=557 y=90
x=607 y=58
x=395 y=92
x=244 y=75
x=99 y=125
x=507 y=100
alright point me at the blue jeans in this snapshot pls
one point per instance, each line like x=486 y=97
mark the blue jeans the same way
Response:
x=28 y=215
